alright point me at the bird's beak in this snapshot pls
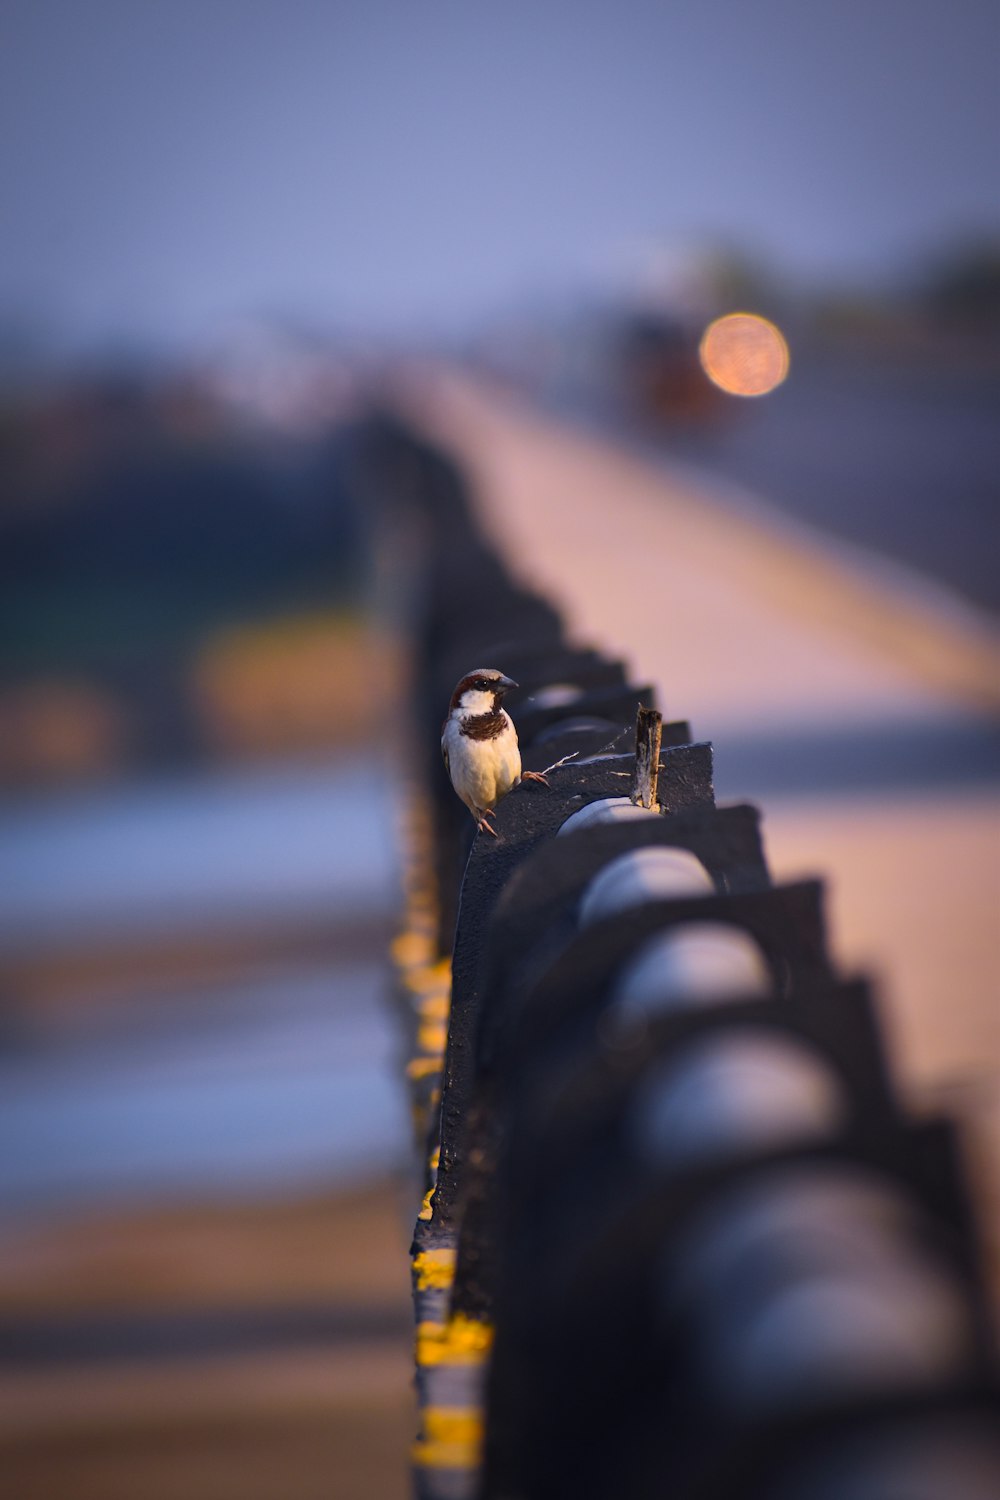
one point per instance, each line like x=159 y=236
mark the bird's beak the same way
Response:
x=505 y=684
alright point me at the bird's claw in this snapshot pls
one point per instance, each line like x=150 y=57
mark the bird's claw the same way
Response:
x=534 y=776
x=484 y=826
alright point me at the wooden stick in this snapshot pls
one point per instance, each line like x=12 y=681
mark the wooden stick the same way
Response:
x=648 y=733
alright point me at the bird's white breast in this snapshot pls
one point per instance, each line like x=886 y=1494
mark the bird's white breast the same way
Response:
x=482 y=771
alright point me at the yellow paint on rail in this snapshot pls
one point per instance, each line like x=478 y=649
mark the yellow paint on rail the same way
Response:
x=452 y=1438
x=427 y=1207
x=432 y=1036
x=423 y=1067
x=460 y=1341
x=411 y=947
x=444 y=1455
x=434 y=1270
x=429 y=979
x=452 y=1424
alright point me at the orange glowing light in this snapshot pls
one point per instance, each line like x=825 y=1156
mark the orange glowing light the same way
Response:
x=744 y=354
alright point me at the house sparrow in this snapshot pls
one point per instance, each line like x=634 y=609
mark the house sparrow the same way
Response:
x=479 y=744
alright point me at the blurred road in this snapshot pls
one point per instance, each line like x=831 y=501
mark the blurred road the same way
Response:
x=902 y=460
x=214 y=1350
x=898 y=458
x=196 y=1074
x=196 y=966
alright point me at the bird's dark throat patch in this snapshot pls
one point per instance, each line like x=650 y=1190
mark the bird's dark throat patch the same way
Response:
x=484 y=726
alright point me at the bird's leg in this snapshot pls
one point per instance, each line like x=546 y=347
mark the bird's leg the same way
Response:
x=534 y=776
x=483 y=825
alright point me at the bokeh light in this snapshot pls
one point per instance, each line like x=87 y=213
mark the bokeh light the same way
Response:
x=744 y=354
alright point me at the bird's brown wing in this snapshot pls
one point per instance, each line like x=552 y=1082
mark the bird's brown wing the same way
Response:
x=444 y=756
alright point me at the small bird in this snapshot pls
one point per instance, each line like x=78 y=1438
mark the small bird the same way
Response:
x=479 y=744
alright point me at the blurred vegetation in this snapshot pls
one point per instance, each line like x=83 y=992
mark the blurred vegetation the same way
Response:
x=173 y=582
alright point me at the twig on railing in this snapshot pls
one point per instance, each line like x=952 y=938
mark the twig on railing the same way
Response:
x=591 y=754
x=557 y=763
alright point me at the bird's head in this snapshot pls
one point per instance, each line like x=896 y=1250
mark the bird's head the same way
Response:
x=480 y=692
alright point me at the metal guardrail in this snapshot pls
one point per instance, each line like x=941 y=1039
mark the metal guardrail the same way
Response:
x=677 y=1233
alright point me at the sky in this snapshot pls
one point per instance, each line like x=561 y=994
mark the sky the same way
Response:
x=401 y=165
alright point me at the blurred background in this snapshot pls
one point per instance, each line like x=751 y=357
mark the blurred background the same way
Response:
x=226 y=227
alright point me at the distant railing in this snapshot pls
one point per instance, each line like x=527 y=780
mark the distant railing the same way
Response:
x=677 y=1234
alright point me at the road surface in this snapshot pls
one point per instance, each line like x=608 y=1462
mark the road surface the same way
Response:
x=903 y=460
